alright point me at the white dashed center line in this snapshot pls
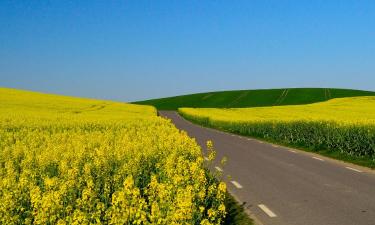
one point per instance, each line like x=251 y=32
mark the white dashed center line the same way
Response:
x=318 y=158
x=267 y=210
x=218 y=169
x=236 y=184
x=205 y=158
x=349 y=168
x=292 y=151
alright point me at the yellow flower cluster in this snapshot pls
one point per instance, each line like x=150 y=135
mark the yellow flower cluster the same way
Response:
x=78 y=161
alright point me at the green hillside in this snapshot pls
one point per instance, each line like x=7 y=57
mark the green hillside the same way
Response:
x=253 y=98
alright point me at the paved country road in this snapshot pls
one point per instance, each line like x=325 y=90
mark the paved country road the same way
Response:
x=289 y=187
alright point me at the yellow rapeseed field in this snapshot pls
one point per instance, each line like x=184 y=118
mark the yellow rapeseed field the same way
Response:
x=67 y=160
x=341 y=110
x=345 y=125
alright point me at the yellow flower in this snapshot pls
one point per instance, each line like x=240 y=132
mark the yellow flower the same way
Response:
x=222 y=187
x=82 y=161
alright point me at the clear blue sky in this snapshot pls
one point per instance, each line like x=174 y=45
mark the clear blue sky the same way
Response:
x=133 y=50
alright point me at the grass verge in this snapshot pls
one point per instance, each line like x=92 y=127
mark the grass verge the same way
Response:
x=358 y=160
x=361 y=161
x=236 y=212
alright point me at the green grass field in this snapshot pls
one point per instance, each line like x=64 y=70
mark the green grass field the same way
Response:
x=253 y=98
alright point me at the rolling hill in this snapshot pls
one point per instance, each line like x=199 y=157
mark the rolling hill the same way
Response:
x=253 y=98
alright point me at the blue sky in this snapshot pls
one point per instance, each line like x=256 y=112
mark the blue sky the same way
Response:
x=133 y=50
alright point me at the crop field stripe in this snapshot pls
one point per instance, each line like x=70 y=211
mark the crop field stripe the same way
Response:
x=242 y=95
x=279 y=98
x=284 y=97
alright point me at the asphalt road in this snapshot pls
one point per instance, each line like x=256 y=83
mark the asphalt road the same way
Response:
x=289 y=187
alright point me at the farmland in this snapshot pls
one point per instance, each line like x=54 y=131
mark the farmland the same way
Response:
x=343 y=127
x=66 y=160
x=253 y=98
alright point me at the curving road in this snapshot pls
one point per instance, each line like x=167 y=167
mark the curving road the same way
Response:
x=283 y=186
